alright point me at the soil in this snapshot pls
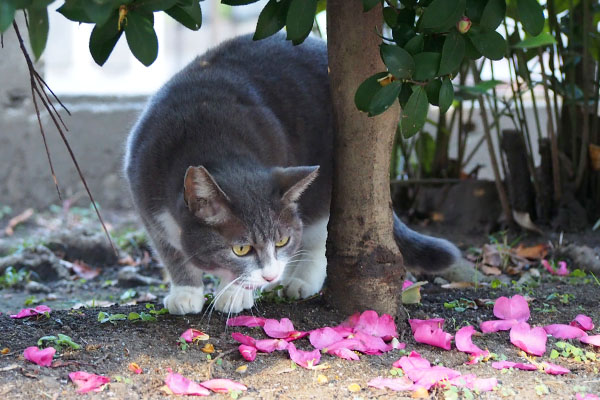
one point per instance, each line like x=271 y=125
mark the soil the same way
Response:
x=108 y=348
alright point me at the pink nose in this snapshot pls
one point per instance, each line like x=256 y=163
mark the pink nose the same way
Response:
x=269 y=278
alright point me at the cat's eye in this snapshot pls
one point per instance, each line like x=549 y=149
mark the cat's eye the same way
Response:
x=283 y=241
x=241 y=250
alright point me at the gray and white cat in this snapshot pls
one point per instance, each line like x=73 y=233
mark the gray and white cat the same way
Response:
x=229 y=167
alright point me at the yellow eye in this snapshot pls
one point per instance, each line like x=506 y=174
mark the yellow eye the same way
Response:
x=241 y=250
x=283 y=241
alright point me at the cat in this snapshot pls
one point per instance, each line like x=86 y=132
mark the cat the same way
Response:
x=229 y=167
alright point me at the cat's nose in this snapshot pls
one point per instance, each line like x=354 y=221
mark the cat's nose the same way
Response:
x=269 y=278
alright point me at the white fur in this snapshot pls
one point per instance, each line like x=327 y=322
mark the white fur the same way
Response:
x=185 y=300
x=170 y=228
x=233 y=299
x=305 y=277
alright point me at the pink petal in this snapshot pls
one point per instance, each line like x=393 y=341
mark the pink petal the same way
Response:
x=554 y=369
x=531 y=340
x=350 y=344
x=270 y=345
x=351 y=321
x=464 y=343
x=562 y=269
x=427 y=377
x=278 y=329
x=383 y=327
x=588 y=396
x=510 y=364
x=40 y=357
x=179 y=384
x=412 y=361
x=406 y=284
x=593 y=340
x=434 y=323
x=514 y=308
x=246 y=320
x=583 y=322
x=343 y=331
x=344 y=353
x=28 y=312
x=324 y=337
x=223 y=385
x=191 y=334
x=371 y=344
x=561 y=331
x=437 y=337
x=548 y=267
x=306 y=359
x=87 y=382
x=472 y=382
x=248 y=352
x=397 y=384
x=497 y=325
x=243 y=339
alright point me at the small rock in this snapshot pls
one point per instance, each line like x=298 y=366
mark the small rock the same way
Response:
x=81 y=244
x=38 y=259
x=440 y=281
x=130 y=277
x=464 y=271
x=528 y=277
x=36 y=287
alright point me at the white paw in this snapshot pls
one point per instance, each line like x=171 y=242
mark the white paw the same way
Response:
x=234 y=299
x=185 y=300
x=297 y=288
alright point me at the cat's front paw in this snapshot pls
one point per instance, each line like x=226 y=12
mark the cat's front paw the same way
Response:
x=298 y=288
x=185 y=300
x=234 y=299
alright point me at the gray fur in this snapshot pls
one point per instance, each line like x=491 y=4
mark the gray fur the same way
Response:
x=250 y=117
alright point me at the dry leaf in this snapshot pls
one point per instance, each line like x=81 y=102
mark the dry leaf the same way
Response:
x=208 y=348
x=491 y=255
x=84 y=271
x=16 y=220
x=495 y=271
x=412 y=294
x=135 y=368
x=5 y=350
x=458 y=285
x=536 y=252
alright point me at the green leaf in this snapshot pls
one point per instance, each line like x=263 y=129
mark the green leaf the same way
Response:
x=141 y=37
x=99 y=11
x=415 y=45
x=384 y=98
x=104 y=38
x=133 y=316
x=425 y=149
x=531 y=15
x=390 y=16
x=471 y=52
x=300 y=19
x=402 y=33
x=369 y=4
x=7 y=14
x=398 y=61
x=154 y=5
x=481 y=88
x=474 y=10
x=531 y=42
x=453 y=53
x=38 y=29
x=493 y=14
x=43 y=339
x=74 y=11
x=426 y=65
x=446 y=95
x=365 y=92
x=414 y=114
x=238 y=2
x=490 y=44
x=189 y=16
x=442 y=14
x=271 y=19
x=433 y=91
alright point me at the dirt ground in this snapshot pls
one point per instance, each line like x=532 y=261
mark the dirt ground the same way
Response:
x=108 y=348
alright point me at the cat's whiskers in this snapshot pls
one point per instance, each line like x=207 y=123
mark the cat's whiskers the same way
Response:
x=218 y=295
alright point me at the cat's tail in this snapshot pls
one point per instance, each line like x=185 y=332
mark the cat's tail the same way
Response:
x=424 y=253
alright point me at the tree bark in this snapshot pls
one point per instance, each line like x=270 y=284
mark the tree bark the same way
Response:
x=365 y=265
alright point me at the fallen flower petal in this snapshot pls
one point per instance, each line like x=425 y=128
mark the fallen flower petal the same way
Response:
x=223 y=385
x=428 y=377
x=554 y=369
x=87 y=382
x=510 y=364
x=396 y=384
x=135 y=368
x=371 y=344
x=405 y=284
x=384 y=327
x=547 y=266
x=28 y=312
x=586 y=396
x=344 y=353
x=434 y=323
x=561 y=331
x=514 y=308
x=248 y=352
x=562 y=269
x=191 y=335
x=497 y=325
x=283 y=329
x=471 y=381
x=436 y=337
x=179 y=384
x=40 y=357
x=531 y=340
x=582 y=321
x=593 y=340
x=324 y=337
x=465 y=344
x=306 y=359
x=246 y=320
x=243 y=339
x=270 y=345
x=412 y=361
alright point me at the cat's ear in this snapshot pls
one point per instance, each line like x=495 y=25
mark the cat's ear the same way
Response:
x=293 y=181
x=203 y=196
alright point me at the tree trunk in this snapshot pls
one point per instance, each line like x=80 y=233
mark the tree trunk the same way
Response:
x=365 y=265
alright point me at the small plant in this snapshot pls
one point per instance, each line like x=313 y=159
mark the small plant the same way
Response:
x=272 y=296
x=128 y=295
x=546 y=308
x=455 y=393
x=130 y=239
x=567 y=350
x=563 y=298
x=58 y=342
x=12 y=277
x=460 y=305
x=106 y=317
x=31 y=300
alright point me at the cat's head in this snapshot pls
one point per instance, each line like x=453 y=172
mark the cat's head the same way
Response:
x=244 y=224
